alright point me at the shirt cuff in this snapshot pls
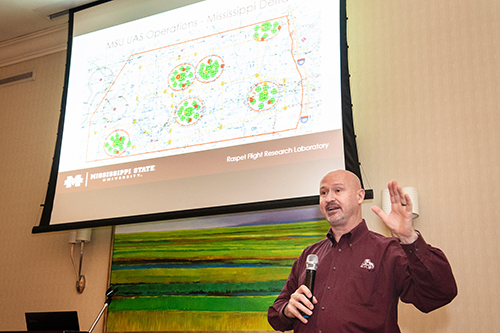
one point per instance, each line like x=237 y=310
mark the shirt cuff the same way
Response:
x=283 y=317
x=413 y=248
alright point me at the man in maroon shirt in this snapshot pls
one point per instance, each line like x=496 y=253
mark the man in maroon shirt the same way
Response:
x=361 y=275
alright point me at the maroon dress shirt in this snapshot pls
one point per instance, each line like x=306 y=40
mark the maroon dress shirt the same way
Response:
x=360 y=280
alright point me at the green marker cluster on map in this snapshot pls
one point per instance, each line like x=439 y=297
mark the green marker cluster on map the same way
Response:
x=117 y=143
x=209 y=70
x=266 y=31
x=189 y=111
x=181 y=77
x=263 y=96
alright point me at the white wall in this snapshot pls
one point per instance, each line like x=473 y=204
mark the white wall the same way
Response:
x=425 y=86
x=36 y=273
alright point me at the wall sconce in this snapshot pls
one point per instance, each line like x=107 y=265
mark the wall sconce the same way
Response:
x=81 y=237
x=411 y=191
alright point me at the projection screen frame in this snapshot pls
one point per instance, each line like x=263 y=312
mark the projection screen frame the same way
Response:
x=351 y=159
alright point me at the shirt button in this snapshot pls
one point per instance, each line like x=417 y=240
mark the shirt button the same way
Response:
x=350 y=245
x=322 y=308
x=328 y=288
x=334 y=268
x=319 y=331
x=340 y=250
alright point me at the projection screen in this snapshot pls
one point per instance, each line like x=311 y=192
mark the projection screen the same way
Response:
x=176 y=109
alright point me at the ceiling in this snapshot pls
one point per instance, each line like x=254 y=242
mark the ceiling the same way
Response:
x=23 y=17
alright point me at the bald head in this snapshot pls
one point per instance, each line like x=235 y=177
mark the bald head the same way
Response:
x=340 y=199
x=345 y=176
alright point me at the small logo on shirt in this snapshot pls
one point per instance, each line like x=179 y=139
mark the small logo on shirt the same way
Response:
x=368 y=264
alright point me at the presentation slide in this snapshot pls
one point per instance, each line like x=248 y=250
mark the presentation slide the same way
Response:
x=211 y=104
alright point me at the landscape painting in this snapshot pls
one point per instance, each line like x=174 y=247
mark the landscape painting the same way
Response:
x=208 y=274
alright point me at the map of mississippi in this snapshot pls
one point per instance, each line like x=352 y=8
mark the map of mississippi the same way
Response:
x=227 y=88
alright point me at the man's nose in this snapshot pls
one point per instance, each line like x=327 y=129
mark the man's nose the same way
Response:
x=330 y=197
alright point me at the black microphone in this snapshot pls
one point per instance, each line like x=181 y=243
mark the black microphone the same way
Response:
x=311 y=266
x=110 y=292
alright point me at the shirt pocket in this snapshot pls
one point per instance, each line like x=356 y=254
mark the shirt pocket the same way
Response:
x=363 y=287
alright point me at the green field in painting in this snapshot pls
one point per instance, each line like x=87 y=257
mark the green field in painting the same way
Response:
x=164 y=321
x=220 y=279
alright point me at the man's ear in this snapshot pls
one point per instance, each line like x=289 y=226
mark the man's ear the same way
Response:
x=361 y=196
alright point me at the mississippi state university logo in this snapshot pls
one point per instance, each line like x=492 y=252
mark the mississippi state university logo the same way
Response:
x=367 y=264
x=73 y=181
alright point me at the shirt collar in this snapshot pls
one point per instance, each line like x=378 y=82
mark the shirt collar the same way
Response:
x=356 y=233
